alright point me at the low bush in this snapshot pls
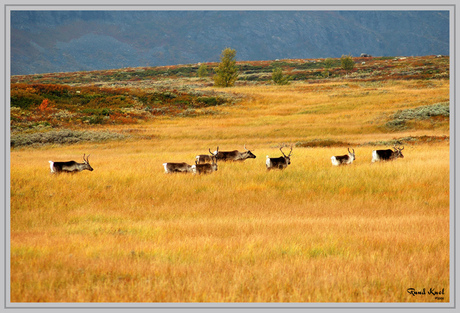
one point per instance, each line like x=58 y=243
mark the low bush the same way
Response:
x=210 y=101
x=322 y=143
x=407 y=140
x=423 y=112
x=401 y=117
x=62 y=137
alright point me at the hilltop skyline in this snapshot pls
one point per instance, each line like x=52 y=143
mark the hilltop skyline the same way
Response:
x=66 y=41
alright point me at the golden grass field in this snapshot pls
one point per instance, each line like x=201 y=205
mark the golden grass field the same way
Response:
x=128 y=232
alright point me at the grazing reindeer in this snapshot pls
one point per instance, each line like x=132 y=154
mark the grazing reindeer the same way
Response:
x=177 y=168
x=204 y=158
x=207 y=168
x=235 y=155
x=279 y=163
x=70 y=166
x=387 y=155
x=343 y=159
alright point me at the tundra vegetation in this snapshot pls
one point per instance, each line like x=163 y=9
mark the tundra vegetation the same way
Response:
x=278 y=77
x=347 y=63
x=128 y=232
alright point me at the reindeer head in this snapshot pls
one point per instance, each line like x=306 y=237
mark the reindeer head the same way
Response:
x=214 y=159
x=214 y=155
x=86 y=163
x=249 y=154
x=351 y=154
x=397 y=152
x=287 y=157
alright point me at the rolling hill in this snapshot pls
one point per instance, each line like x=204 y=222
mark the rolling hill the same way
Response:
x=67 y=41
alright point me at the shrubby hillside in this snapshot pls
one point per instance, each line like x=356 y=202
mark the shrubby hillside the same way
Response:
x=49 y=103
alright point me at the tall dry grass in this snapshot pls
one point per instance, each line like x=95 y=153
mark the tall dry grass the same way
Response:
x=127 y=232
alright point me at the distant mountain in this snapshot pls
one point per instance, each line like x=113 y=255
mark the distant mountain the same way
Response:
x=65 y=41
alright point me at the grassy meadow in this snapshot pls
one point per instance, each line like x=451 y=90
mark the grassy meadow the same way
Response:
x=128 y=232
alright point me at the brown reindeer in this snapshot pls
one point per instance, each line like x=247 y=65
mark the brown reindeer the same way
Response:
x=207 y=168
x=235 y=155
x=204 y=158
x=177 y=167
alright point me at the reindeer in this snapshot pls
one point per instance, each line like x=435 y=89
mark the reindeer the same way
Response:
x=343 y=159
x=279 y=163
x=70 y=166
x=235 y=155
x=204 y=158
x=177 y=168
x=207 y=168
x=387 y=155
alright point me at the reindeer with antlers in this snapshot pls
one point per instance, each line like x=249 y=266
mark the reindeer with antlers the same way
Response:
x=70 y=166
x=344 y=159
x=206 y=168
x=204 y=158
x=387 y=155
x=279 y=163
x=234 y=155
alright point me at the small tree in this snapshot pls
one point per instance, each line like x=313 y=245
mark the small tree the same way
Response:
x=226 y=72
x=278 y=77
x=347 y=63
x=202 y=71
x=327 y=66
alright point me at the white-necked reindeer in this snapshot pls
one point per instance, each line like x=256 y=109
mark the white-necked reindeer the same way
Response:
x=343 y=159
x=279 y=163
x=387 y=155
x=70 y=166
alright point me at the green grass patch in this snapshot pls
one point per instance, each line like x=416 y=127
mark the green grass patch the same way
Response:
x=315 y=143
x=401 y=117
x=62 y=137
x=408 y=140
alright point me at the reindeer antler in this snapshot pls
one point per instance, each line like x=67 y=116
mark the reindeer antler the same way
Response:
x=290 y=152
x=281 y=149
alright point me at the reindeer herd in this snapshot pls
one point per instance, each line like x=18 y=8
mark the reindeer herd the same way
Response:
x=206 y=164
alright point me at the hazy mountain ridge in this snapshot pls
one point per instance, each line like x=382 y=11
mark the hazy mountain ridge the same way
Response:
x=62 y=41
